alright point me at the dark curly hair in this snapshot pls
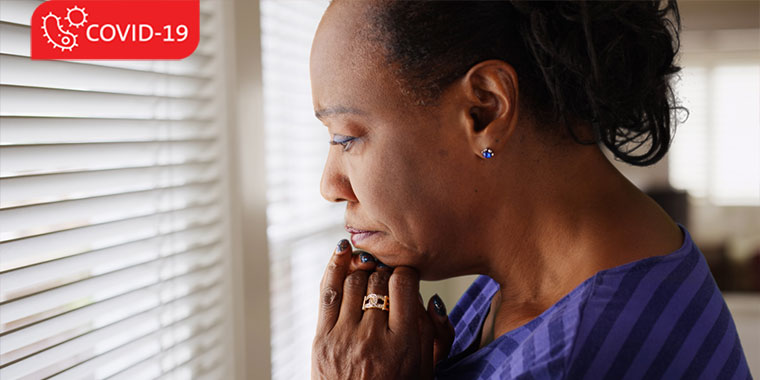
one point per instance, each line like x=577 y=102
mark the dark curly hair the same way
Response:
x=606 y=63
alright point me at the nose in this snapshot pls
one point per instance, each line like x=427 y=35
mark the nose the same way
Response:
x=335 y=185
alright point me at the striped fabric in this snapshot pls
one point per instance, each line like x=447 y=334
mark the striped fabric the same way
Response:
x=658 y=318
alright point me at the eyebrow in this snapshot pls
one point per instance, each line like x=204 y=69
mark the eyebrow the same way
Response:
x=338 y=110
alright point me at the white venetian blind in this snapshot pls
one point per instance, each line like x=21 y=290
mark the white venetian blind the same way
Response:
x=715 y=153
x=303 y=227
x=111 y=218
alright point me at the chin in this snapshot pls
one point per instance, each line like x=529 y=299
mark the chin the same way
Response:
x=388 y=253
x=397 y=258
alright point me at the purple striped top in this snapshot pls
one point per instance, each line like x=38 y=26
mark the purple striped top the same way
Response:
x=658 y=318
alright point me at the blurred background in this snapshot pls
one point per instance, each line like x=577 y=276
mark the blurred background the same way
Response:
x=162 y=219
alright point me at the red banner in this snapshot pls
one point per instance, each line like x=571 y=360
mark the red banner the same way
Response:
x=110 y=29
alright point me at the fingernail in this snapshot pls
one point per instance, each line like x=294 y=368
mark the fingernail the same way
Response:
x=342 y=246
x=438 y=305
x=366 y=257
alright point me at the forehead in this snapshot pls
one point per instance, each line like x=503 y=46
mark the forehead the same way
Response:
x=346 y=69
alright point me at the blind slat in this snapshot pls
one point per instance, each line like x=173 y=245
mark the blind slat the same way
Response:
x=18 y=71
x=24 y=191
x=34 y=130
x=65 y=103
x=54 y=217
x=36 y=160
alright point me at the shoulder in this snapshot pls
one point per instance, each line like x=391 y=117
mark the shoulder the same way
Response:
x=661 y=317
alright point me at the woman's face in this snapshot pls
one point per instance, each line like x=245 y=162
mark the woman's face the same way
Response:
x=406 y=173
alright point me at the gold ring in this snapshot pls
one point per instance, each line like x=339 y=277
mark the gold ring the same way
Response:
x=376 y=301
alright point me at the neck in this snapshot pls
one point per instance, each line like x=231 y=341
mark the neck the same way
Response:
x=577 y=218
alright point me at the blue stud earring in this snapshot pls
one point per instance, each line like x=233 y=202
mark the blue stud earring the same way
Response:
x=487 y=153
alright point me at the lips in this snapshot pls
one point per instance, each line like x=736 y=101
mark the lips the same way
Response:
x=359 y=235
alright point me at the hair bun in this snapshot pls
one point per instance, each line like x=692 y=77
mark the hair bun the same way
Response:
x=609 y=63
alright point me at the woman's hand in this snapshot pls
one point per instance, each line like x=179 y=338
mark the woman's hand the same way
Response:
x=402 y=343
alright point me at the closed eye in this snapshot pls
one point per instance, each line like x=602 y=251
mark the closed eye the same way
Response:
x=345 y=141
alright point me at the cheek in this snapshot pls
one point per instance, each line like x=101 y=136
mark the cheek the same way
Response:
x=387 y=189
x=398 y=192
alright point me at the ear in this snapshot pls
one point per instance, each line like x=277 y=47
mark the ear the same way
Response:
x=490 y=110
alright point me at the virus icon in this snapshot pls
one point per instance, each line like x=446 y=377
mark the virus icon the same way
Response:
x=78 y=14
x=52 y=30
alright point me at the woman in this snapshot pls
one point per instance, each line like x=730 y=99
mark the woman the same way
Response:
x=466 y=140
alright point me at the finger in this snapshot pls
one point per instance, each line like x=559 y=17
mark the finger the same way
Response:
x=331 y=287
x=444 y=330
x=382 y=267
x=363 y=261
x=403 y=289
x=354 y=289
x=344 y=246
x=377 y=284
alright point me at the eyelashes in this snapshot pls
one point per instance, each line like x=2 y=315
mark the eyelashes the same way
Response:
x=344 y=141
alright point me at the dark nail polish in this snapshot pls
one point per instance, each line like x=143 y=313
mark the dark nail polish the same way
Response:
x=366 y=257
x=438 y=305
x=342 y=245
